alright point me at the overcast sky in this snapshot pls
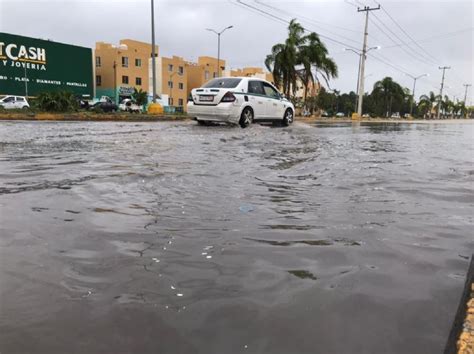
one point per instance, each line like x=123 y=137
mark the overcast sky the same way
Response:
x=442 y=30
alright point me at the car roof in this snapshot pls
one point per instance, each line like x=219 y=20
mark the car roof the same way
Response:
x=242 y=78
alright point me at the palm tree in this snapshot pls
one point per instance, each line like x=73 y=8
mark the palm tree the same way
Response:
x=428 y=101
x=313 y=54
x=388 y=90
x=297 y=57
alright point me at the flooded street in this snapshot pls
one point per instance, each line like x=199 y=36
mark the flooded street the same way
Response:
x=176 y=238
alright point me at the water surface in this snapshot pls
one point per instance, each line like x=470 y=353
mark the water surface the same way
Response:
x=176 y=238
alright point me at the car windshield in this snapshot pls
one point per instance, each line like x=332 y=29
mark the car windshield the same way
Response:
x=2 y=97
x=222 y=83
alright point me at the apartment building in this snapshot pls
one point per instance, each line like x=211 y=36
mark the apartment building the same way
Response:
x=204 y=70
x=120 y=69
x=250 y=72
x=171 y=80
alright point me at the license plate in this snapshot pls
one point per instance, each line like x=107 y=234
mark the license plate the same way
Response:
x=206 y=98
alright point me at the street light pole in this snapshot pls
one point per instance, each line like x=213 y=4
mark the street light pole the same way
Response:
x=219 y=46
x=413 y=92
x=26 y=77
x=153 y=54
x=360 y=63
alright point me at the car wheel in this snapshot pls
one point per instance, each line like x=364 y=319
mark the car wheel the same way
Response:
x=288 y=117
x=24 y=108
x=246 y=117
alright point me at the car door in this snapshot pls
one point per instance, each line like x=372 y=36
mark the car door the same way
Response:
x=9 y=102
x=257 y=98
x=20 y=102
x=274 y=104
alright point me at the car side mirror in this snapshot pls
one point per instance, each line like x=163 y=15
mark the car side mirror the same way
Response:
x=282 y=96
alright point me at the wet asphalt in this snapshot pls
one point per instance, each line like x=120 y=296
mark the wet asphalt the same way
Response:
x=176 y=238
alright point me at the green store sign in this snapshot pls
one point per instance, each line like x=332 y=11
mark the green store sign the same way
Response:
x=34 y=65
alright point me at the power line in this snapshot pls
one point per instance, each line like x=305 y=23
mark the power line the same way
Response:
x=419 y=57
x=428 y=39
x=287 y=22
x=307 y=18
x=406 y=33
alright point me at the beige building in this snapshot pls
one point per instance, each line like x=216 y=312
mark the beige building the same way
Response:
x=202 y=71
x=120 y=69
x=250 y=72
x=171 y=80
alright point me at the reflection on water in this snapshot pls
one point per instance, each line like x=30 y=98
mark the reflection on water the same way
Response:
x=177 y=238
x=303 y=274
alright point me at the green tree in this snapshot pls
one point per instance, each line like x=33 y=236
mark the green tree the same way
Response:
x=301 y=56
x=390 y=92
x=313 y=56
x=427 y=102
x=140 y=97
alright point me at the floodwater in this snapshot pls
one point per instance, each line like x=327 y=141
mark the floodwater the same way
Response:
x=176 y=238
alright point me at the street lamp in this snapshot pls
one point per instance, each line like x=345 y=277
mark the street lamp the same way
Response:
x=413 y=92
x=26 y=77
x=358 y=73
x=218 y=45
x=153 y=59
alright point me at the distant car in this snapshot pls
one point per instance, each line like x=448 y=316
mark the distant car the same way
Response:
x=365 y=115
x=239 y=100
x=105 y=106
x=340 y=114
x=395 y=115
x=128 y=105
x=14 y=102
x=324 y=114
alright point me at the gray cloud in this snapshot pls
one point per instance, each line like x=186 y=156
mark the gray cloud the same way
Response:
x=181 y=31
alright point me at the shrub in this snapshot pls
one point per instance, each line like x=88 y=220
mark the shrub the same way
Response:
x=60 y=101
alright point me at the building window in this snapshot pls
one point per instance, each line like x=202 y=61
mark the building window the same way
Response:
x=170 y=84
x=97 y=62
x=206 y=75
x=170 y=67
x=180 y=70
x=181 y=86
x=138 y=62
x=98 y=80
x=125 y=62
x=170 y=101
x=214 y=74
x=180 y=102
x=125 y=80
x=138 y=81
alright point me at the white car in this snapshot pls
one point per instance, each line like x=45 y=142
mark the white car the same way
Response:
x=14 y=102
x=239 y=100
x=128 y=105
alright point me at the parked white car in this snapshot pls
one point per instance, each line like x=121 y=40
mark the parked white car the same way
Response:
x=14 y=102
x=239 y=100
x=128 y=105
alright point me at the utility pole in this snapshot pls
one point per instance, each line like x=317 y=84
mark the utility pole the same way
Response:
x=465 y=92
x=153 y=54
x=441 y=90
x=366 y=9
